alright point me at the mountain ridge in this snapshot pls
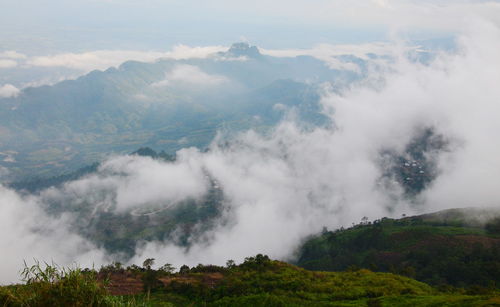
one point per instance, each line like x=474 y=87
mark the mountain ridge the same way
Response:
x=53 y=129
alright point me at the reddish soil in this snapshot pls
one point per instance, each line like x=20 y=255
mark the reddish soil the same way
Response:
x=126 y=283
x=182 y=279
x=465 y=241
x=209 y=279
x=408 y=235
x=389 y=257
x=123 y=283
x=212 y=279
x=484 y=241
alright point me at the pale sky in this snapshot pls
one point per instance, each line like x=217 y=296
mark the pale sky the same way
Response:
x=40 y=27
x=45 y=41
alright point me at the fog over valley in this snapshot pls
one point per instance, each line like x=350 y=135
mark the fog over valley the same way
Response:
x=213 y=151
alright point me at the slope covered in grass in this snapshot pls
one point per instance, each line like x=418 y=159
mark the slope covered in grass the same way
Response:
x=452 y=247
x=258 y=281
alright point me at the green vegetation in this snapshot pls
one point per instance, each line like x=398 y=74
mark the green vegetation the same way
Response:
x=52 y=286
x=258 y=281
x=56 y=129
x=37 y=184
x=493 y=226
x=120 y=232
x=441 y=249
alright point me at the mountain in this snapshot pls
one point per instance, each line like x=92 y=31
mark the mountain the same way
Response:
x=242 y=50
x=168 y=104
x=459 y=247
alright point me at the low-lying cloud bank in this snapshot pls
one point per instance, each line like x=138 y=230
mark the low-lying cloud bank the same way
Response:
x=282 y=187
x=8 y=90
x=29 y=233
x=182 y=75
x=103 y=59
x=58 y=67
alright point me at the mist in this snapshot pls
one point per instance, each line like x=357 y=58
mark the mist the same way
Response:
x=280 y=187
x=29 y=234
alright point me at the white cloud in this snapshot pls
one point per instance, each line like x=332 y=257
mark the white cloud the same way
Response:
x=181 y=52
x=190 y=75
x=8 y=59
x=330 y=53
x=28 y=233
x=136 y=182
x=9 y=90
x=323 y=51
x=7 y=63
x=92 y=60
x=11 y=54
x=33 y=71
x=284 y=187
x=103 y=59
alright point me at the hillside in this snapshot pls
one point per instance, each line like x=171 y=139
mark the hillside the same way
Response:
x=120 y=232
x=258 y=281
x=168 y=104
x=459 y=247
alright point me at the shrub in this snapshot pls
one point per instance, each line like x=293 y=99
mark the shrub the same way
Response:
x=50 y=285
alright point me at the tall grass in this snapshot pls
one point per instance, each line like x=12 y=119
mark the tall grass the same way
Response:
x=50 y=285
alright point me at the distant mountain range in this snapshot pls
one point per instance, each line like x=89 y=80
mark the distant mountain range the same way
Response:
x=168 y=104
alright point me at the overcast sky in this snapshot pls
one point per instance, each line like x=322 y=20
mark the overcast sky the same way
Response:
x=46 y=41
x=47 y=26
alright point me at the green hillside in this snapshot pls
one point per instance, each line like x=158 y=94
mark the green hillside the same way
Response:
x=258 y=281
x=458 y=247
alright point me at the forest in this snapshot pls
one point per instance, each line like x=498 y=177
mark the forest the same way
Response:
x=447 y=248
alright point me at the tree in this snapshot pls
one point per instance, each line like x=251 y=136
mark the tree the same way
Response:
x=168 y=268
x=148 y=263
x=230 y=264
x=493 y=226
x=184 y=269
x=149 y=279
x=118 y=266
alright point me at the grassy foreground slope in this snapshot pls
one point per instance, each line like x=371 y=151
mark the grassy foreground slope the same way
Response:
x=258 y=281
x=458 y=247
